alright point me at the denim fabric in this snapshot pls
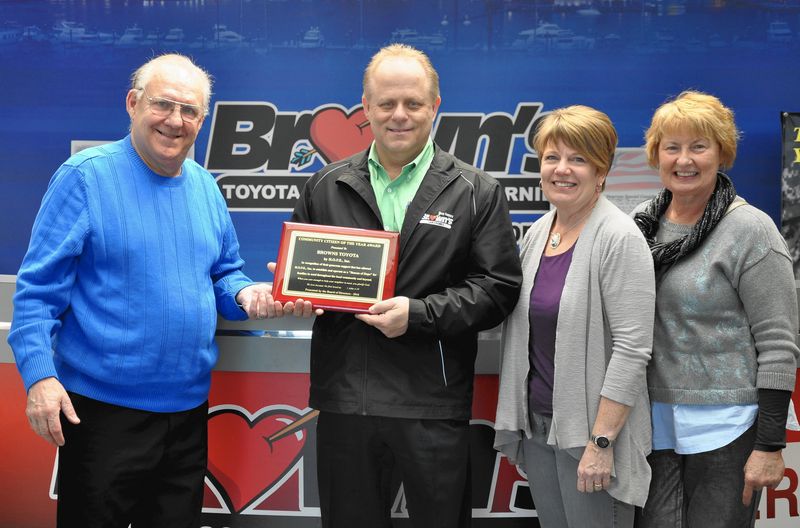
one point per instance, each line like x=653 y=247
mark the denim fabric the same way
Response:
x=553 y=477
x=702 y=490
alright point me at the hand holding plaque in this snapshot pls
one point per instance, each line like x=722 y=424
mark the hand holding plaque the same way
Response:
x=336 y=268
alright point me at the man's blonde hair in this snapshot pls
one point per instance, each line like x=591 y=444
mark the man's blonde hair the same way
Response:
x=403 y=51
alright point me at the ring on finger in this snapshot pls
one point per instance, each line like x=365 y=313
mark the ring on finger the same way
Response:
x=598 y=486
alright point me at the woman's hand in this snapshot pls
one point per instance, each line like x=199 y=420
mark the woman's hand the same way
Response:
x=594 y=469
x=763 y=469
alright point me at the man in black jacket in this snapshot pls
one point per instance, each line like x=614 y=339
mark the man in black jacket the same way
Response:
x=394 y=386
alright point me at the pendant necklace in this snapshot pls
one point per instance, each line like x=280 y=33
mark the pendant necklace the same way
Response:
x=555 y=238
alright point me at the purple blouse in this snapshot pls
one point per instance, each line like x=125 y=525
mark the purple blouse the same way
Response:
x=543 y=318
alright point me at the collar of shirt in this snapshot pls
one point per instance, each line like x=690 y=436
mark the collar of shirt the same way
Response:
x=393 y=196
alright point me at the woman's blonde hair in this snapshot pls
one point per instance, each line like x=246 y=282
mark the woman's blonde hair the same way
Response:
x=698 y=113
x=582 y=128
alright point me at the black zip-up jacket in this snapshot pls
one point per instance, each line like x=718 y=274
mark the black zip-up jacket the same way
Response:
x=461 y=277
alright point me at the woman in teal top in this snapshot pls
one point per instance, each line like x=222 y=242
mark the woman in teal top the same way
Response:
x=724 y=352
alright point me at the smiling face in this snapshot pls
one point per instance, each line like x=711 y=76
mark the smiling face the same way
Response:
x=569 y=181
x=400 y=106
x=164 y=141
x=688 y=164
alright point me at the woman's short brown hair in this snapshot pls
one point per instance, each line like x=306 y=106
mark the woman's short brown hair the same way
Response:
x=582 y=128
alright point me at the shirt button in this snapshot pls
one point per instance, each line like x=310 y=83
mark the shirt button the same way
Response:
x=389 y=190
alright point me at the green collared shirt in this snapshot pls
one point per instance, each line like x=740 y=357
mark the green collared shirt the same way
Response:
x=393 y=196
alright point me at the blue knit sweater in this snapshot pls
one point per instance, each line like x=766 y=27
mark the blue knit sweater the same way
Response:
x=118 y=293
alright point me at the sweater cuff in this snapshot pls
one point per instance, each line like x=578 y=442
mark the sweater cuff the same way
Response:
x=37 y=368
x=226 y=303
x=33 y=352
x=783 y=381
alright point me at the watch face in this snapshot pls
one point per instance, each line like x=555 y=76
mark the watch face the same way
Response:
x=601 y=441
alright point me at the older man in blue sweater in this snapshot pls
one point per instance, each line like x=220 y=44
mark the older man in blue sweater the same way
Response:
x=132 y=255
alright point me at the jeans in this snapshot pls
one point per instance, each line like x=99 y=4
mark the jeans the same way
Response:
x=702 y=490
x=553 y=477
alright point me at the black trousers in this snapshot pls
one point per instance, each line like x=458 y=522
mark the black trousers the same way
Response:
x=357 y=454
x=703 y=490
x=123 y=466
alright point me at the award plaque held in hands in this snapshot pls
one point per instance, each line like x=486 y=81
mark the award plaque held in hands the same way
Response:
x=341 y=269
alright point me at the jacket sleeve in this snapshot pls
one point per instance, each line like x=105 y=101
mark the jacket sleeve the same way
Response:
x=490 y=289
x=47 y=275
x=302 y=208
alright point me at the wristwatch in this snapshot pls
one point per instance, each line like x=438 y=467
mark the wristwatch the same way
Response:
x=601 y=441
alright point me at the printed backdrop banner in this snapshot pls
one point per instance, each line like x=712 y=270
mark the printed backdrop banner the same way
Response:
x=262 y=463
x=287 y=92
x=790 y=186
x=287 y=100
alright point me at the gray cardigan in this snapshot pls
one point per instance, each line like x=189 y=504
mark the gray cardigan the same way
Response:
x=603 y=345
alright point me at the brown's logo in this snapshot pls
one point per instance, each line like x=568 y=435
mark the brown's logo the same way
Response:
x=337 y=134
x=261 y=157
x=251 y=457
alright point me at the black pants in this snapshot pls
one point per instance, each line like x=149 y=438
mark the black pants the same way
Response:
x=703 y=490
x=355 y=458
x=123 y=466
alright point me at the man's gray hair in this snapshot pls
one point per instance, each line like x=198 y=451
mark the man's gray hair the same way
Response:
x=145 y=73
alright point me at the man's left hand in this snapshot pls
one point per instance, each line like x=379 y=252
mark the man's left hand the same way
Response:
x=257 y=301
x=389 y=316
x=298 y=308
x=763 y=469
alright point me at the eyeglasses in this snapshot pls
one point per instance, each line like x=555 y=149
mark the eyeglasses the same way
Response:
x=163 y=107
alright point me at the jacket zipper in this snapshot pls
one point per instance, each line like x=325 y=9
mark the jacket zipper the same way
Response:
x=441 y=356
x=364 y=383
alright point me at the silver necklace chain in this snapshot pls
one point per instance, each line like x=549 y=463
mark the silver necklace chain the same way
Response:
x=555 y=237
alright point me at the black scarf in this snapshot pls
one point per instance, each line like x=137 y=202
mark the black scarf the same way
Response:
x=664 y=254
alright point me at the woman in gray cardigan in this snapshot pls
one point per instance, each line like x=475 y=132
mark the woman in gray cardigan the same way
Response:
x=724 y=347
x=573 y=408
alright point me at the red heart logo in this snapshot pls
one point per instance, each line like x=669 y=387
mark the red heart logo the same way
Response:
x=337 y=135
x=242 y=463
